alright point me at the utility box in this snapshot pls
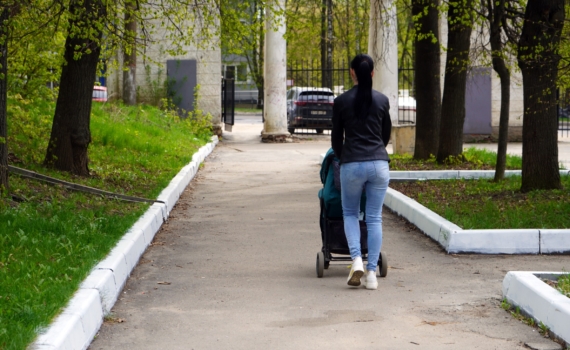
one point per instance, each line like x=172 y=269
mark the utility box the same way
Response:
x=181 y=83
x=403 y=139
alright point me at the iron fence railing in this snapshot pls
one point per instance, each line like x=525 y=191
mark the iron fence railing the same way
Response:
x=406 y=96
x=228 y=102
x=310 y=74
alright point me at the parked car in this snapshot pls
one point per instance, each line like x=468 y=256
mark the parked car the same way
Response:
x=309 y=108
x=99 y=93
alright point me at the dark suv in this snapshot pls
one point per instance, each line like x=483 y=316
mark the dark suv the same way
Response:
x=309 y=108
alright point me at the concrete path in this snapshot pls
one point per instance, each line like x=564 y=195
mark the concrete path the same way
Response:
x=234 y=268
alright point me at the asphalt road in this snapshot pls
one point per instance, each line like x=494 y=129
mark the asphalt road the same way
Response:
x=234 y=268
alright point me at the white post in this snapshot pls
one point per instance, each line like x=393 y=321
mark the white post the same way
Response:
x=275 y=74
x=383 y=48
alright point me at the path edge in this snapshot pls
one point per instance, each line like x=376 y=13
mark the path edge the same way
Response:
x=83 y=316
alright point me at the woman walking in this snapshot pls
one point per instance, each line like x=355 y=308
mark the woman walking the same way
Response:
x=360 y=133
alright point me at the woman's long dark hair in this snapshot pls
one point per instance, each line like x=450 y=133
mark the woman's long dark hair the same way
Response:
x=363 y=67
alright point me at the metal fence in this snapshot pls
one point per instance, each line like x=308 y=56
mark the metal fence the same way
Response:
x=337 y=78
x=309 y=74
x=228 y=103
x=406 y=96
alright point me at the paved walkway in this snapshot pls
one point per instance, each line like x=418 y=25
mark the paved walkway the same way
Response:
x=234 y=268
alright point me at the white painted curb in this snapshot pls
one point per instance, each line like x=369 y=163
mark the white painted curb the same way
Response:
x=79 y=322
x=538 y=300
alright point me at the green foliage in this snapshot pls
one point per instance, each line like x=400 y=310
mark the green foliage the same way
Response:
x=150 y=142
x=29 y=126
x=241 y=24
x=35 y=49
x=350 y=26
x=51 y=240
x=505 y=305
x=484 y=156
x=155 y=89
x=564 y=285
x=564 y=51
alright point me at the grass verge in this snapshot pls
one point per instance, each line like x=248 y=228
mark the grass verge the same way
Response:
x=51 y=240
x=248 y=110
x=471 y=159
x=562 y=284
x=484 y=204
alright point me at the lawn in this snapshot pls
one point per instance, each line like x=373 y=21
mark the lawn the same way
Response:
x=485 y=204
x=51 y=237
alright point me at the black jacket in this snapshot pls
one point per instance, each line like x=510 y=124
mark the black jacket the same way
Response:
x=363 y=140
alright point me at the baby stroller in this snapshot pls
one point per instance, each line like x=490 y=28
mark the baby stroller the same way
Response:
x=332 y=224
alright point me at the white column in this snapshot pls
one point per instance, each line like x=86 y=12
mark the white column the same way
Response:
x=443 y=31
x=383 y=48
x=275 y=74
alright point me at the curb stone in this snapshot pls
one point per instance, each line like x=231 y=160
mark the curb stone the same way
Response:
x=81 y=319
x=538 y=300
x=454 y=239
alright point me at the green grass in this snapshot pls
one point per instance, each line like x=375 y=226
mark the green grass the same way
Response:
x=564 y=284
x=484 y=204
x=471 y=159
x=51 y=241
x=248 y=110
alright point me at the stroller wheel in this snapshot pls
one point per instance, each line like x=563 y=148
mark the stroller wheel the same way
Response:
x=320 y=264
x=383 y=265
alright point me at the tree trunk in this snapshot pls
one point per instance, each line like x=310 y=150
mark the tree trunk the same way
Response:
x=70 y=134
x=259 y=57
x=453 y=102
x=347 y=33
x=4 y=17
x=538 y=60
x=356 y=29
x=496 y=15
x=328 y=78
x=323 y=40
x=427 y=64
x=130 y=56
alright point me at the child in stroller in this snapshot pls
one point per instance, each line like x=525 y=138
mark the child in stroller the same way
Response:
x=331 y=221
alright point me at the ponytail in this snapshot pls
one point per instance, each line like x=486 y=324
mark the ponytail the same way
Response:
x=363 y=66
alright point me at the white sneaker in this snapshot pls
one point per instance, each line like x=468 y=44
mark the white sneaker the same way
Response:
x=356 y=271
x=369 y=280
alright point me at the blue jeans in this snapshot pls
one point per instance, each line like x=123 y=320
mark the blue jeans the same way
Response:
x=375 y=176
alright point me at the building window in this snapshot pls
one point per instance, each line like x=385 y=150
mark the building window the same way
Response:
x=237 y=72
